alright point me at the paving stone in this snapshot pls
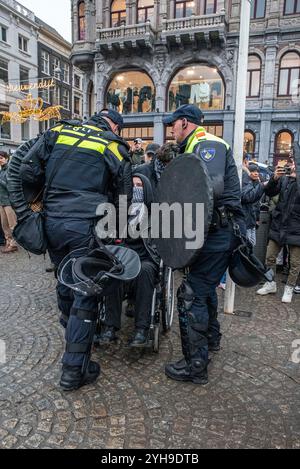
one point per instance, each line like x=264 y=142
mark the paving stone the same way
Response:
x=251 y=401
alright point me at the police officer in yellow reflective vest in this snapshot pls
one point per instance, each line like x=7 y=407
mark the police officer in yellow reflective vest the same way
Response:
x=85 y=164
x=197 y=298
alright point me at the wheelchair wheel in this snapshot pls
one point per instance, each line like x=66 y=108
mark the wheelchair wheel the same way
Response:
x=156 y=341
x=168 y=305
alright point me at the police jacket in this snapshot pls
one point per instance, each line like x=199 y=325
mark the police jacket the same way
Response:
x=285 y=225
x=4 y=198
x=217 y=155
x=252 y=192
x=88 y=161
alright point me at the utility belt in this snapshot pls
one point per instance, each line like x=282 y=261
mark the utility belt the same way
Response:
x=221 y=218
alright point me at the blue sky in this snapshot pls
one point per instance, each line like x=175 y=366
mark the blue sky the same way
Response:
x=57 y=13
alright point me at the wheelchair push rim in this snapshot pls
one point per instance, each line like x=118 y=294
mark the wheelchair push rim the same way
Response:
x=169 y=301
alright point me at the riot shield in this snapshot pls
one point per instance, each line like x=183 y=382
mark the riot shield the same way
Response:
x=185 y=190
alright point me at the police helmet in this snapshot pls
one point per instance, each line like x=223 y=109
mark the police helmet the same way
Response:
x=98 y=272
x=246 y=270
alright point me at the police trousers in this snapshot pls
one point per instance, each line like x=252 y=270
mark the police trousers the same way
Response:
x=204 y=277
x=64 y=236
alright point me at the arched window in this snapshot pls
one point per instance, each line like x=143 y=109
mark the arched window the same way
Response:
x=289 y=74
x=197 y=84
x=81 y=21
x=253 y=76
x=291 y=7
x=145 y=10
x=258 y=9
x=283 y=144
x=118 y=13
x=131 y=92
x=249 y=143
x=210 y=7
x=184 y=8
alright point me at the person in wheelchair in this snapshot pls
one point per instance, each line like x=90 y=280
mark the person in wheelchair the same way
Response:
x=141 y=289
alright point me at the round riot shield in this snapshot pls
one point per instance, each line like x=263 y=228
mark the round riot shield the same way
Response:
x=182 y=213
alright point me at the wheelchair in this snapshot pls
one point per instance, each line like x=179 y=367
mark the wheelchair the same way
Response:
x=163 y=305
x=162 y=310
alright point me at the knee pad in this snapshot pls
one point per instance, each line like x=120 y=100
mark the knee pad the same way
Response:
x=185 y=297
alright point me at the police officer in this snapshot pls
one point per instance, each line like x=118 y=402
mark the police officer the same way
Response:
x=81 y=167
x=197 y=299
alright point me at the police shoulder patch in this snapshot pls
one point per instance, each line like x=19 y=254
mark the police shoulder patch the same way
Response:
x=208 y=154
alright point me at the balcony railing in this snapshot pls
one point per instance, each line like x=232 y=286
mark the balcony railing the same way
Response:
x=194 y=25
x=20 y=9
x=139 y=34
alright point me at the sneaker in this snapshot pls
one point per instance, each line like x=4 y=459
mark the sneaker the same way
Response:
x=297 y=289
x=288 y=294
x=269 y=287
x=73 y=379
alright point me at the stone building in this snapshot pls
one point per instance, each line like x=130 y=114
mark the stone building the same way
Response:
x=147 y=57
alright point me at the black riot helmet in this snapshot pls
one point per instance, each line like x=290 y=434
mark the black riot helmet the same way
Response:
x=98 y=272
x=245 y=268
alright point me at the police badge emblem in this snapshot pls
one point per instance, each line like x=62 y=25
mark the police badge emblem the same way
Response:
x=208 y=154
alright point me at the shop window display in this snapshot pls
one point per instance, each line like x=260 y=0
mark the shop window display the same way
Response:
x=131 y=92
x=200 y=85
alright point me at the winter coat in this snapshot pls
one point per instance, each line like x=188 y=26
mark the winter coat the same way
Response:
x=252 y=192
x=4 y=197
x=285 y=225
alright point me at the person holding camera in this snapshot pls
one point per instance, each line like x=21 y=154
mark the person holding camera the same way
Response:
x=137 y=152
x=285 y=226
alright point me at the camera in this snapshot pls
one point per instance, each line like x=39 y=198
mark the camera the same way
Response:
x=287 y=170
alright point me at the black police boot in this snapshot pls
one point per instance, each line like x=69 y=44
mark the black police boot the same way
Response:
x=196 y=371
x=107 y=336
x=140 y=339
x=73 y=379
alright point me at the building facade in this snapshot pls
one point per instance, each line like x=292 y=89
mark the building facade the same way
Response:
x=18 y=66
x=54 y=62
x=147 y=57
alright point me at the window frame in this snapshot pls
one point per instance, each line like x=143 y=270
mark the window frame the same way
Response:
x=118 y=12
x=146 y=11
x=43 y=60
x=79 y=105
x=276 y=140
x=56 y=93
x=24 y=41
x=5 y=108
x=289 y=75
x=3 y=28
x=56 y=63
x=65 y=93
x=215 y=8
x=81 y=20
x=66 y=72
x=249 y=95
x=6 y=70
x=79 y=81
x=184 y=8
x=295 y=12
x=249 y=131
x=254 y=17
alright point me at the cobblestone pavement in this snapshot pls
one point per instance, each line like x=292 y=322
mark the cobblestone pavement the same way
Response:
x=252 y=399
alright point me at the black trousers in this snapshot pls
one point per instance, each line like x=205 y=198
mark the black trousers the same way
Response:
x=141 y=292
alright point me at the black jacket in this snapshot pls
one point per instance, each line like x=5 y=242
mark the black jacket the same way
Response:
x=285 y=225
x=84 y=175
x=4 y=197
x=252 y=192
